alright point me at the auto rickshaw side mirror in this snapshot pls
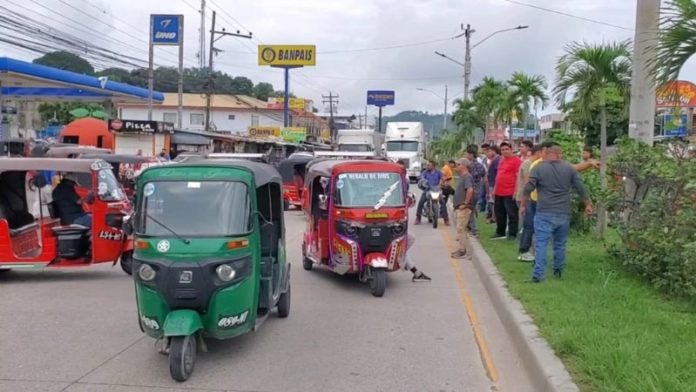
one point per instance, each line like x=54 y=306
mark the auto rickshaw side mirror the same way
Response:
x=323 y=202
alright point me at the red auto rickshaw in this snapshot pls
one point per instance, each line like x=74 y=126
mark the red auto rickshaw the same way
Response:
x=357 y=218
x=292 y=170
x=36 y=240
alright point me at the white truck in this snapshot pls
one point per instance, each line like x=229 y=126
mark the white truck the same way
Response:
x=406 y=141
x=359 y=140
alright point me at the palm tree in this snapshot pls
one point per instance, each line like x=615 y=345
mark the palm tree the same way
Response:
x=676 y=39
x=529 y=92
x=468 y=118
x=488 y=97
x=587 y=72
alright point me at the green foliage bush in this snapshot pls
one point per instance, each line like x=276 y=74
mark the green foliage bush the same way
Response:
x=658 y=231
x=572 y=149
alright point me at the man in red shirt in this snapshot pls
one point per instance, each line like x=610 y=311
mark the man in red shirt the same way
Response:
x=505 y=207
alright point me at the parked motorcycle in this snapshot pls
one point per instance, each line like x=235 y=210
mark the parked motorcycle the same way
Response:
x=431 y=209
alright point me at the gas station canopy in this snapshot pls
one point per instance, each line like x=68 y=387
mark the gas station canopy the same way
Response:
x=23 y=81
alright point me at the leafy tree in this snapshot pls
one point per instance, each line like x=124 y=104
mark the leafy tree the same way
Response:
x=587 y=71
x=263 y=91
x=489 y=96
x=590 y=126
x=66 y=61
x=64 y=112
x=529 y=92
x=116 y=74
x=242 y=85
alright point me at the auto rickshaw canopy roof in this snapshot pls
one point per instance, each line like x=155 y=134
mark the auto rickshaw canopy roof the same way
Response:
x=263 y=173
x=67 y=151
x=331 y=167
x=76 y=165
x=286 y=167
x=119 y=158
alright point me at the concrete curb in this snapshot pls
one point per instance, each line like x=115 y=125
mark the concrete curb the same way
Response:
x=546 y=370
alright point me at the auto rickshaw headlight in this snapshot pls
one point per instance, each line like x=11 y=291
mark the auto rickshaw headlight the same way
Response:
x=398 y=228
x=225 y=272
x=146 y=273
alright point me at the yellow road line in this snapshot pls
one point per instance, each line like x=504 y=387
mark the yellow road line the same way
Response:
x=484 y=351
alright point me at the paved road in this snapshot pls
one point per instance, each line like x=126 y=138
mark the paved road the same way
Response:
x=77 y=331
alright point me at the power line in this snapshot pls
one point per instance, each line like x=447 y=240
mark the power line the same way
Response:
x=569 y=15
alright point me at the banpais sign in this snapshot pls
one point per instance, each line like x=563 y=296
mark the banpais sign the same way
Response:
x=141 y=126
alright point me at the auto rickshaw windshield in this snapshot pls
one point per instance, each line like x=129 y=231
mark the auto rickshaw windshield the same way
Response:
x=194 y=209
x=108 y=187
x=369 y=190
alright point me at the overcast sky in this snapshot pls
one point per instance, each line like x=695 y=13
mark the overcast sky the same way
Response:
x=338 y=26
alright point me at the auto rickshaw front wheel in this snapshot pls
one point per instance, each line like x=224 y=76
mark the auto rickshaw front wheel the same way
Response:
x=126 y=262
x=284 y=304
x=182 y=356
x=307 y=263
x=378 y=282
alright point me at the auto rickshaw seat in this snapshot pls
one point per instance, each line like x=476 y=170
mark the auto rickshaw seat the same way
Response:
x=269 y=239
x=19 y=230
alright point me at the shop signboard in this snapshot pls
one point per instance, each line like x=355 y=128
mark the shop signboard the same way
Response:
x=294 y=134
x=674 y=126
x=264 y=131
x=166 y=29
x=287 y=55
x=520 y=133
x=279 y=102
x=680 y=93
x=141 y=126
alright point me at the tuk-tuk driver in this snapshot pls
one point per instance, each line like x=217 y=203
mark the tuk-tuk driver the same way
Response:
x=69 y=204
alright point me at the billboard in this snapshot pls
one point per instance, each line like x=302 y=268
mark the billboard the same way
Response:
x=380 y=97
x=293 y=103
x=262 y=132
x=166 y=29
x=674 y=126
x=679 y=93
x=519 y=133
x=294 y=134
x=287 y=55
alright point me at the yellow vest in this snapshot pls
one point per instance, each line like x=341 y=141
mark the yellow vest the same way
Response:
x=534 y=194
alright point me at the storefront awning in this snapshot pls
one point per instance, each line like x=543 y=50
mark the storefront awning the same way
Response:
x=190 y=139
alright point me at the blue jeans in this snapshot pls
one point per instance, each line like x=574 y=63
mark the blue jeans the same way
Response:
x=547 y=225
x=528 y=227
x=84 y=220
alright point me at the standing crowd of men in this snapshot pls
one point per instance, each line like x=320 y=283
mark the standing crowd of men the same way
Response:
x=531 y=189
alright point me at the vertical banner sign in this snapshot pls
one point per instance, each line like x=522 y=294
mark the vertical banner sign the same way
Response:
x=380 y=98
x=166 y=30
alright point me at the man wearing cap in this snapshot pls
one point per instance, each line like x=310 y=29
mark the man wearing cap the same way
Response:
x=464 y=197
x=69 y=204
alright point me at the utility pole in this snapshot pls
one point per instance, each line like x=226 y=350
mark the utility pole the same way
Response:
x=330 y=100
x=467 y=59
x=444 y=120
x=201 y=48
x=642 y=109
x=209 y=89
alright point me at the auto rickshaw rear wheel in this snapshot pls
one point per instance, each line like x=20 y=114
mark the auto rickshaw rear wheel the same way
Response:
x=286 y=205
x=284 y=304
x=378 y=283
x=182 y=356
x=126 y=262
x=307 y=263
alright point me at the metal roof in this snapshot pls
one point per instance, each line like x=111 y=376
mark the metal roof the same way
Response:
x=33 y=82
x=51 y=164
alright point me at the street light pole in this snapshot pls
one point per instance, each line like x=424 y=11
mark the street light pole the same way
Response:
x=445 y=119
x=467 y=60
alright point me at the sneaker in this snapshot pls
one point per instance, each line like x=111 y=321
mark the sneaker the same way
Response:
x=558 y=273
x=526 y=256
x=458 y=254
x=420 y=276
x=533 y=279
x=447 y=222
x=417 y=222
x=498 y=237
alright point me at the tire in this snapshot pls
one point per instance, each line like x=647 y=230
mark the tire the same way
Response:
x=435 y=212
x=284 y=304
x=126 y=262
x=307 y=264
x=286 y=205
x=182 y=357
x=378 y=283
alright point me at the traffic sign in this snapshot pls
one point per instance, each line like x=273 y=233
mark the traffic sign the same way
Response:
x=380 y=97
x=166 y=29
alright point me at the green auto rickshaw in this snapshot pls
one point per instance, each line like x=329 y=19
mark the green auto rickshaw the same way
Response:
x=209 y=254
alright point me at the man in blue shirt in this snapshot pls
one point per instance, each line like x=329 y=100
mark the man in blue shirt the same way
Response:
x=434 y=179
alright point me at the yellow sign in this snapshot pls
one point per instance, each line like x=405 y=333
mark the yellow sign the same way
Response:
x=294 y=134
x=287 y=55
x=325 y=135
x=293 y=103
x=264 y=131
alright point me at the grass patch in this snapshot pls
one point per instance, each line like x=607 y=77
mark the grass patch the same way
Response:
x=613 y=332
